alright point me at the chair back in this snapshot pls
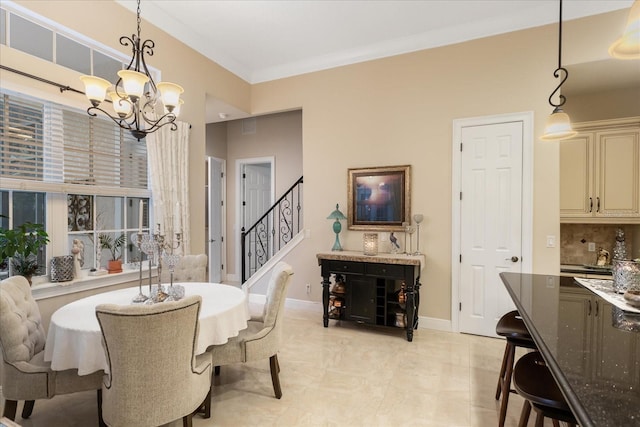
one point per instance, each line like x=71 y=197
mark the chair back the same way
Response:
x=151 y=356
x=276 y=293
x=21 y=332
x=191 y=268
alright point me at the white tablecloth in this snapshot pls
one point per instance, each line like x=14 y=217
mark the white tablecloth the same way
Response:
x=74 y=340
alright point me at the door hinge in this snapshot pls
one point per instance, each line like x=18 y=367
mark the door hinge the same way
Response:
x=244 y=203
x=460 y=257
x=461 y=195
x=244 y=175
x=222 y=238
x=221 y=266
x=461 y=146
x=221 y=203
x=221 y=174
x=460 y=306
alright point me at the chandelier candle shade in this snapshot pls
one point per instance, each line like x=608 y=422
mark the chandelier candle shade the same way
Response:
x=136 y=95
x=337 y=226
x=558 y=124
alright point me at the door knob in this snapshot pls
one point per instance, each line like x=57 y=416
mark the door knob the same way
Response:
x=512 y=259
x=212 y=240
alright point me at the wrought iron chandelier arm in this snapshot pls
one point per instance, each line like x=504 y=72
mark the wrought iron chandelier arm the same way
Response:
x=557 y=74
x=122 y=122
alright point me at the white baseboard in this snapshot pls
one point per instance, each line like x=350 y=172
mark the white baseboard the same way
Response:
x=297 y=304
x=434 y=323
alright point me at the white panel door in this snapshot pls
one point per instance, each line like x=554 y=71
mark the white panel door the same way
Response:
x=491 y=222
x=215 y=219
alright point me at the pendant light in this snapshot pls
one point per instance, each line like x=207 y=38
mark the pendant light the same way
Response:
x=628 y=46
x=558 y=124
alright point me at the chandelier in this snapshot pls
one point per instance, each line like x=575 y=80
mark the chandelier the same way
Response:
x=558 y=124
x=135 y=95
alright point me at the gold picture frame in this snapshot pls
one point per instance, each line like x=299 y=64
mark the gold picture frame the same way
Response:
x=379 y=198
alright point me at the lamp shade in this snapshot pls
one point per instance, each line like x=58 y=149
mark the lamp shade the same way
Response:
x=95 y=88
x=628 y=46
x=133 y=82
x=121 y=106
x=336 y=214
x=558 y=126
x=170 y=94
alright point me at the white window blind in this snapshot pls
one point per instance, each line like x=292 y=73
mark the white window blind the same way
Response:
x=47 y=142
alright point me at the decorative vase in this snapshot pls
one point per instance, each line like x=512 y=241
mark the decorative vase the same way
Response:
x=115 y=266
x=626 y=275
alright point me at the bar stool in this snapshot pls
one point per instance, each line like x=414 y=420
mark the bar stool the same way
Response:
x=534 y=382
x=512 y=327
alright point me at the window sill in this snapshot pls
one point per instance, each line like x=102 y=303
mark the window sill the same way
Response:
x=43 y=290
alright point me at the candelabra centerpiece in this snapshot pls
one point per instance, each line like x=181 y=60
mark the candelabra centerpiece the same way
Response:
x=155 y=245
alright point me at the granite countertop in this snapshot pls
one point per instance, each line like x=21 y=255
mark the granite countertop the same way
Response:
x=590 y=346
x=383 y=258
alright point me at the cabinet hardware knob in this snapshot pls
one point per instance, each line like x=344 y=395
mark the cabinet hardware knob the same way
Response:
x=598 y=204
x=590 y=204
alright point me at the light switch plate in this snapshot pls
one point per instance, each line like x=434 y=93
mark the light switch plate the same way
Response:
x=551 y=241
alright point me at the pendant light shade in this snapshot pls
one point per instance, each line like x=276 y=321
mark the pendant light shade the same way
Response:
x=558 y=124
x=628 y=46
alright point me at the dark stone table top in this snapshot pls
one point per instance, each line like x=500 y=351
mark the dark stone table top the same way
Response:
x=591 y=347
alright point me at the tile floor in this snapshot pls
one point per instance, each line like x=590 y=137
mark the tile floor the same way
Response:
x=344 y=375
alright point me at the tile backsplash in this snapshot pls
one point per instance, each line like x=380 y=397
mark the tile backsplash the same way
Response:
x=575 y=239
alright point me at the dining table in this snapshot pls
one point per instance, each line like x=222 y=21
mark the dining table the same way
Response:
x=589 y=342
x=74 y=338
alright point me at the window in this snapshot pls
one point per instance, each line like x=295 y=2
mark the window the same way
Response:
x=91 y=216
x=59 y=153
x=17 y=208
x=31 y=38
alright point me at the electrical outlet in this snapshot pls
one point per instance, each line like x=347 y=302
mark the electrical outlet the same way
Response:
x=591 y=247
x=308 y=288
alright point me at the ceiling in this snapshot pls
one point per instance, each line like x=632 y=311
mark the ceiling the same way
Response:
x=267 y=39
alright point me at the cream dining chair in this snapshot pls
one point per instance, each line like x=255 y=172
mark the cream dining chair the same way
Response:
x=190 y=268
x=154 y=375
x=263 y=335
x=25 y=374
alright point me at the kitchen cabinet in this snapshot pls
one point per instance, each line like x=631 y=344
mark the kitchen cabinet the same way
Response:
x=600 y=173
x=599 y=349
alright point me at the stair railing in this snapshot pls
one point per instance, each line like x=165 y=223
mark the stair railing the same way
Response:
x=272 y=231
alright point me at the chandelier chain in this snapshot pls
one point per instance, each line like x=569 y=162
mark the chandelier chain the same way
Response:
x=558 y=73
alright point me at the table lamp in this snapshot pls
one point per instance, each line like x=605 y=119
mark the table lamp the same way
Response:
x=337 y=226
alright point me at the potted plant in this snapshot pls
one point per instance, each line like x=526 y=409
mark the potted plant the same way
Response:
x=21 y=245
x=115 y=245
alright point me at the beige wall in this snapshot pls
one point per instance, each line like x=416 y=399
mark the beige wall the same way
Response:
x=216 y=135
x=390 y=111
x=278 y=136
x=612 y=104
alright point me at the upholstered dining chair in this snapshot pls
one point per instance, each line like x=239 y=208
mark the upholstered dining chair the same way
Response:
x=263 y=335
x=25 y=374
x=190 y=268
x=154 y=375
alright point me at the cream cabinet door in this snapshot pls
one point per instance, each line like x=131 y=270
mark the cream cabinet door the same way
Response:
x=617 y=175
x=576 y=176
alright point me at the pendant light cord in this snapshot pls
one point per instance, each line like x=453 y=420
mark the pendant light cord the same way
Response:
x=557 y=73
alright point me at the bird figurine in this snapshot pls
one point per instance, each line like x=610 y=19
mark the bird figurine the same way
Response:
x=394 y=241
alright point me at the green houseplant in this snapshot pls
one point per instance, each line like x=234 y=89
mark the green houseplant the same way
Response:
x=114 y=245
x=21 y=245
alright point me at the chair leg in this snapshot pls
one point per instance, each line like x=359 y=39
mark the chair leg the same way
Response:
x=217 y=370
x=187 y=420
x=539 y=419
x=556 y=423
x=27 y=409
x=275 y=368
x=502 y=370
x=506 y=383
x=101 y=422
x=207 y=404
x=10 y=408
x=524 y=415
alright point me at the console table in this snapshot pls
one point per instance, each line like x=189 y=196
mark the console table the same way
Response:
x=381 y=290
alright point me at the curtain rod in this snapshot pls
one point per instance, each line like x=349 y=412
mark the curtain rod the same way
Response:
x=50 y=82
x=40 y=79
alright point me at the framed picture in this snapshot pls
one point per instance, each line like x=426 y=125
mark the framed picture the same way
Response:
x=379 y=198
